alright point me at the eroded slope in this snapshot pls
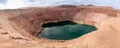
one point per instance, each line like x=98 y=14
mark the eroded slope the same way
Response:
x=20 y=27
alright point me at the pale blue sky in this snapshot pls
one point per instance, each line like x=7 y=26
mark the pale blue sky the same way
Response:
x=3 y=1
x=13 y=4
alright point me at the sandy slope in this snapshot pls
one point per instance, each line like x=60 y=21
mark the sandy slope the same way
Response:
x=107 y=35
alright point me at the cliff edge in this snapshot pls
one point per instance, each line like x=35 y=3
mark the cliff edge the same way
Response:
x=20 y=27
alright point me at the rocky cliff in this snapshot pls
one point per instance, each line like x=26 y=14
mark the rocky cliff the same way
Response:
x=20 y=27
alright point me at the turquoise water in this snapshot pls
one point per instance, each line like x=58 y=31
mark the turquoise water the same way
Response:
x=65 y=30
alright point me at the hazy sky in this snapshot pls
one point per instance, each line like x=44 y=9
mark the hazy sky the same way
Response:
x=13 y=4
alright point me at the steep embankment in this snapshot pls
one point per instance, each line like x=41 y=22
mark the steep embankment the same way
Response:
x=20 y=27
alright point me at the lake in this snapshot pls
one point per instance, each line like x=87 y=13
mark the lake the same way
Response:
x=65 y=30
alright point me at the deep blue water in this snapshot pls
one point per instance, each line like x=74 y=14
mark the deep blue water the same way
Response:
x=65 y=30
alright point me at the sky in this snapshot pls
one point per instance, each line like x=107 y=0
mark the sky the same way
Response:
x=14 y=4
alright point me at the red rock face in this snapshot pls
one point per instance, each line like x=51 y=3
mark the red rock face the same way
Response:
x=37 y=17
x=31 y=19
x=28 y=23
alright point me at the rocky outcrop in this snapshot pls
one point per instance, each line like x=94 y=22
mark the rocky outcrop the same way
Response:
x=24 y=26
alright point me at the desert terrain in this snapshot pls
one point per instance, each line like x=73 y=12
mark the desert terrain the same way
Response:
x=19 y=28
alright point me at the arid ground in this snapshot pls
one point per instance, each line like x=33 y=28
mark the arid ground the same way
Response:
x=19 y=28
